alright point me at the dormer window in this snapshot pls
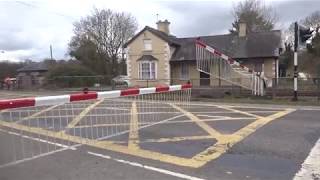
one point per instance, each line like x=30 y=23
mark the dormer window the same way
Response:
x=147 y=44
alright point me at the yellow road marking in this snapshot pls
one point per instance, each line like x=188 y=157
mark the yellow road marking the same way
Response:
x=78 y=118
x=245 y=131
x=238 y=111
x=37 y=113
x=227 y=141
x=211 y=153
x=200 y=123
x=134 y=128
x=166 y=122
x=106 y=145
x=175 y=139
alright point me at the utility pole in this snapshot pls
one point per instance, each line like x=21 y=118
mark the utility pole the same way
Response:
x=295 y=62
x=219 y=72
x=51 y=52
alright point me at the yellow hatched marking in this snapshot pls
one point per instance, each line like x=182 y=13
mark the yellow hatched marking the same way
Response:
x=175 y=139
x=37 y=113
x=107 y=145
x=134 y=128
x=227 y=141
x=167 y=122
x=238 y=111
x=224 y=142
x=78 y=118
x=200 y=123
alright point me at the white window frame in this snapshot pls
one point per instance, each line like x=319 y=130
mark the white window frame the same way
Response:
x=186 y=75
x=151 y=75
x=147 y=44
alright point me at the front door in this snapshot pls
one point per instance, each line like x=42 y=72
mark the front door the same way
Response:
x=204 y=79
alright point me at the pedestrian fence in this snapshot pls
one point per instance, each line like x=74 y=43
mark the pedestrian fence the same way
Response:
x=306 y=87
x=34 y=127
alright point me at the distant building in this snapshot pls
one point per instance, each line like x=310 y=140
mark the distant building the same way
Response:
x=32 y=75
x=156 y=56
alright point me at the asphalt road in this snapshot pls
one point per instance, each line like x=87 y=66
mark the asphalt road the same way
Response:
x=181 y=148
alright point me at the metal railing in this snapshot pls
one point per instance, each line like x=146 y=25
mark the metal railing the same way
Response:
x=306 y=87
x=277 y=87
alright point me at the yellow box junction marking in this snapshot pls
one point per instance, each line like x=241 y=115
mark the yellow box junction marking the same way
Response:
x=238 y=111
x=175 y=139
x=134 y=128
x=103 y=145
x=227 y=141
x=224 y=142
x=37 y=114
x=167 y=122
x=200 y=123
x=78 y=118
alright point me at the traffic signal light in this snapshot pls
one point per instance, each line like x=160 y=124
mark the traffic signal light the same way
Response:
x=305 y=34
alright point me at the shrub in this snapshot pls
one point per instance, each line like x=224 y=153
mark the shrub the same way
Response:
x=70 y=75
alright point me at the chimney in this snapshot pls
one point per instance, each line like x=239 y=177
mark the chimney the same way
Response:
x=164 y=26
x=242 y=28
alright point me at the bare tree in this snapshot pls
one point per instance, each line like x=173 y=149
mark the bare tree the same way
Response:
x=313 y=20
x=309 y=57
x=257 y=15
x=107 y=31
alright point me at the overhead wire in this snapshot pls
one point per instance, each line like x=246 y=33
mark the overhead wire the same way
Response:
x=70 y=18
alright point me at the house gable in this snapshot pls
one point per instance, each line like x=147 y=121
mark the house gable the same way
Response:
x=161 y=51
x=171 y=40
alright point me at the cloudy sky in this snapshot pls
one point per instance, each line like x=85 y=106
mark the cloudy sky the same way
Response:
x=27 y=28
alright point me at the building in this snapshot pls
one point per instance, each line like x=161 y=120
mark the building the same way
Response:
x=32 y=75
x=157 y=57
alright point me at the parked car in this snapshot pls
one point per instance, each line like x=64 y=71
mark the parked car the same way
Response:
x=121 y=80
x=8 y=83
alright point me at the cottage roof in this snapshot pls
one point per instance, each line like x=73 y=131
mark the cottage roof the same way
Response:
x=34 y=67
x=253 y=45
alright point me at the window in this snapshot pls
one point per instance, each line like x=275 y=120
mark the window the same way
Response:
x=147 y=70
x=147 y=44
x=184 y=71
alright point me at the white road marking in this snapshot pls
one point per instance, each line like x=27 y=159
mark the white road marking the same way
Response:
x=237 y=106
x=37 y=139
x=64 y=147
x=32 y=158
x=310 y=169
x=74 y=147
x=163 y=171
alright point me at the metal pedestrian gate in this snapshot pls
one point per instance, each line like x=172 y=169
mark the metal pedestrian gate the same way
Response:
x=216 y=64
x=35 y=127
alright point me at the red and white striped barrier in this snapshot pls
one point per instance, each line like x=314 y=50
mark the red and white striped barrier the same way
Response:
x=258 y=80
x=223 y=56
x=62 y=99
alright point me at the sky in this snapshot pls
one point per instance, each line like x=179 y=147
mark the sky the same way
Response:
x=28 y=28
